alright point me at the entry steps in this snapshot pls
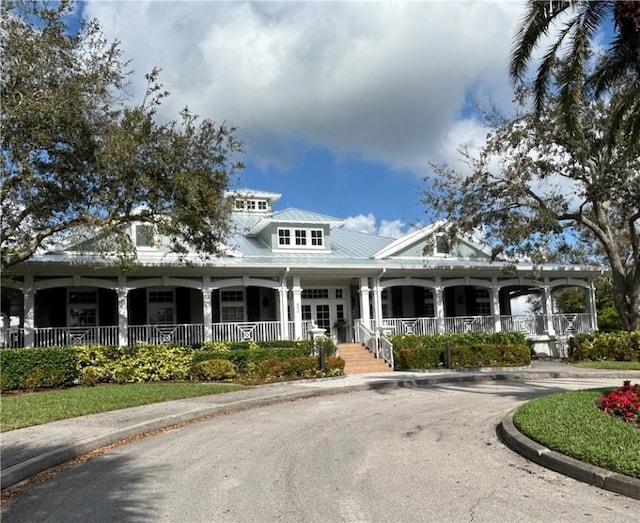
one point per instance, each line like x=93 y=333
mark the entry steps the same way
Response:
x=359 y=360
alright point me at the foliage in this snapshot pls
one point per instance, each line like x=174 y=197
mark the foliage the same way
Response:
x=540 y=192
x=79 y=157
x=615 y=346
x=572 y=424
x=325 y=343
x=252 y=345
x=138 y=363
x=501 y=349
x=32 y=369
x=213 y=370
x=584 y=24
x=28 y=409
x=623 y=402
x=241 y=358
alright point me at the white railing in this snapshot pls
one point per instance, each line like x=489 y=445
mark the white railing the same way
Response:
x=59 y=336
x=409 y=326
x=250 y=331
x=185 y=334
x=461 y=324
x=380 y=346
x=570 y=324
x=527 y=324
x=11 y=337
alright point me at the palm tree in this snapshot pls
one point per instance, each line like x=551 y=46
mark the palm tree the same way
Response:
x=581 y=21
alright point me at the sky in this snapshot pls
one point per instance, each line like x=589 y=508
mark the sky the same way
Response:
x=342 y=106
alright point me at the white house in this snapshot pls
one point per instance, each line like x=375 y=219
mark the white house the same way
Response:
x=284 y=271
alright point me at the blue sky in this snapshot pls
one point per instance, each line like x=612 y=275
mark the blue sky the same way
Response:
x=342 y=105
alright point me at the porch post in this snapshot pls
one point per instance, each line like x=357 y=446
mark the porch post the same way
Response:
x=29 y=312
x=297 y=308
x=591 y=306
x=377 y=302
x=365 y=308
x=207 y=314
x=547 y=307
x=438 y=298
x=123 y=315
x=282 y=300
x=495 y=305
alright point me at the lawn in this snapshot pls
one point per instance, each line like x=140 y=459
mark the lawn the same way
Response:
x=19 y=410
x=572 y=424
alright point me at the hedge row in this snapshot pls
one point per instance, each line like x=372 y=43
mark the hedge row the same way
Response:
x=62 y=366
x=35 y=368
x=502 y=349
x=598 y=346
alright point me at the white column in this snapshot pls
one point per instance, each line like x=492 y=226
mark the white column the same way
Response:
x=207 y=313
x=365 y=307
x=29 y=311
x=123 y=313
x=495 y=305
x=591 y=306
x=377 y=302
x=297 y=308
x=547 y=308
x=284 y=316
x=438 y=301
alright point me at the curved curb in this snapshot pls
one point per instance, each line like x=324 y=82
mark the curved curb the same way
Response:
x=585 y=472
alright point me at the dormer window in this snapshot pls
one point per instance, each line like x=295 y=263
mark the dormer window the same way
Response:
x=301 y=238
x=284 y=237
x=251 y=205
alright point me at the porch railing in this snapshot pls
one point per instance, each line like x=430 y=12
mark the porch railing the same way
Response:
x=375 y=342
x=188 y=334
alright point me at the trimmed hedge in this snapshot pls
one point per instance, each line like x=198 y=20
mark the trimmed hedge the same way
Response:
x=30 y=369
x=501 y=349
x=599 y=346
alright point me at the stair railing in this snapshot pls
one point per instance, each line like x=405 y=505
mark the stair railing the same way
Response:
x=376 y=342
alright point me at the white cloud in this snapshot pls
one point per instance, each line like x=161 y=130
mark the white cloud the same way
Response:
x=382 y=81
x=367 y=223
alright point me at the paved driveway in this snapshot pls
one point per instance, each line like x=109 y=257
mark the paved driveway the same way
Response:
x=421 y=453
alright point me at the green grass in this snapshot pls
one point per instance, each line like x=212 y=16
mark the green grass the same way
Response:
x=572 y=424
x=35 y=408
x=608 y=365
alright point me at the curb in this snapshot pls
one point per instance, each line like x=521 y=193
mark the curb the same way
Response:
x=533 y=451
x=30 y=467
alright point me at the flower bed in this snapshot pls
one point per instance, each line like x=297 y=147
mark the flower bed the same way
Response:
x=623 y=402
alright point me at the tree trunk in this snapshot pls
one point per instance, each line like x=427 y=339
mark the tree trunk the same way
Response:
x=626 y=296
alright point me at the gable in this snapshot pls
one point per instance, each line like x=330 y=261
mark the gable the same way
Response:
x=431 y=242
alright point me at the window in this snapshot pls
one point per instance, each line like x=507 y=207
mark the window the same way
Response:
x=301 y=237
x=161 y=306
x=483 y=302
x=240 y=205
x=232 y=305
x=251 y=205
x=284 y=237
x=316 y=238
x=338 y=294
x=145 y=235
x=315 y=294
x=429 y=308
x=262 y=205
x=83 y=308
x=442 y=244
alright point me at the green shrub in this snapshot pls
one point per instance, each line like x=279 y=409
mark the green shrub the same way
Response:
x=211 y=370
x=599 y=346
x=501 y=349
x=137 y=363
x=32 y=369
x=241 y=358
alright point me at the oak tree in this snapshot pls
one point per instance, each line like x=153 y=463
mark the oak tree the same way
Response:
x=78 y=154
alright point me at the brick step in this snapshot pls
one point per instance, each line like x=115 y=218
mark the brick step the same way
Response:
x=358 y=360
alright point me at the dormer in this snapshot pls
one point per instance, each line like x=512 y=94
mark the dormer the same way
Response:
x=247 y=201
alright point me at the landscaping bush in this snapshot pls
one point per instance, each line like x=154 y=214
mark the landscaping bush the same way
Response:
x=211 y=370
x=137 y=363
x=623 y=402
x=32 y=369
x=502 y=349
x=616 y=346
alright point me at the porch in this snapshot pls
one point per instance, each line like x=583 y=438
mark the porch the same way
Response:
x=533 y=326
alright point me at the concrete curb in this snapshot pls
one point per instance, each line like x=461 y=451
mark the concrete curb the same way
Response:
x=28 y=468
x=566 y=465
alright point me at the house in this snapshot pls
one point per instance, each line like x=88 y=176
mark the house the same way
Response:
x=284 y=272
